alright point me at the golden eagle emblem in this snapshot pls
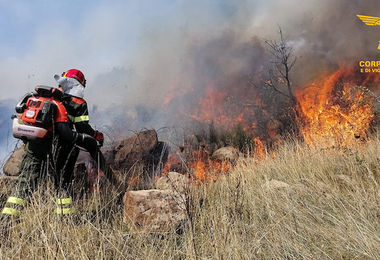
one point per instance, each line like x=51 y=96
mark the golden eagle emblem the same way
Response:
x=369 y=20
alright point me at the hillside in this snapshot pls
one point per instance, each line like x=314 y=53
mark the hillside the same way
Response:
x=302 y=203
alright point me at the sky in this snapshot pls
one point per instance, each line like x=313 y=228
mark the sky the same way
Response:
x=41 y=38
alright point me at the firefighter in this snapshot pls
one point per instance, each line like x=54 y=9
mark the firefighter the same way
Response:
x=44 y=154
x=72 y=83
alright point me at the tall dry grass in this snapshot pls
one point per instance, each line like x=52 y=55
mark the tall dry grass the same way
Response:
x=330 y=210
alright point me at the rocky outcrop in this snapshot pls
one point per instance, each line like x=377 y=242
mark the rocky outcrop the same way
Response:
x=227 y=153
x=156 y=211
x=12 y=165
x=173 y=181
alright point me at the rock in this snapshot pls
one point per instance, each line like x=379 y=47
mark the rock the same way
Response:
x=227 y=153
x=137 y=160
x=6 y=185
x=12 y=165
x=155 y=160
x=173 y=181
x=275 y=185
x=133 y=149
x=156 y=211
x=109 y=154
x=344 y=179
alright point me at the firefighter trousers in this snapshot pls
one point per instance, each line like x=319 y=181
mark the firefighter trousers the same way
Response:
x=42 y=160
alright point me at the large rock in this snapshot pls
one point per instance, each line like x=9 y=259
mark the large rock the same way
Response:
x=156 y=211
x=173 y=181
x=12 y=165
x=133 y=149
x=227 y=153
x=136 y=161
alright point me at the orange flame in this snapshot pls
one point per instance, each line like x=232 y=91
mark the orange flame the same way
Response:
x=205 y=169
x=335 y=109
x=259 y=151
x=220 y=108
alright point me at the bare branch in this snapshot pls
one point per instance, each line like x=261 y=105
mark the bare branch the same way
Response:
x=283 y=63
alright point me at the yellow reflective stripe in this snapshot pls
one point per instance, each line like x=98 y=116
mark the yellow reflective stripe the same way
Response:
x=64 y=201
x=17 y=201
x=10 y=211
x=78 y=118
x=65 y=211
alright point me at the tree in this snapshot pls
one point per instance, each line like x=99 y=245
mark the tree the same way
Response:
x=283 y=62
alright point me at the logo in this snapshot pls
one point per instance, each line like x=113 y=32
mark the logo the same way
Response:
x=30 y=114
x=25 y=130
x=370 y=21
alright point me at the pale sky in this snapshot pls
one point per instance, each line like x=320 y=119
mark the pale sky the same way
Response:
x=40 y=38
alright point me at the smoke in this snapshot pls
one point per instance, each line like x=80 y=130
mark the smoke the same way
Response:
x=7 y=142
x=148 y=64
x=180 y=63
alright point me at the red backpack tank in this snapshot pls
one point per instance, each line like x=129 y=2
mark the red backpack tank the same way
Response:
x=37 y=114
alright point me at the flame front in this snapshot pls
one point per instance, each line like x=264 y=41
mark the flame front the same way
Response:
x=336 y=110
x=204 y=169
x=222 y=109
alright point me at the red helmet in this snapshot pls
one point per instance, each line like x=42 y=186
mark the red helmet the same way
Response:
x=76 y=74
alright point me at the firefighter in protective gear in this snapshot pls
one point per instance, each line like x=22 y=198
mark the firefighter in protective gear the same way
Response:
x=73 y=83
x=47 y=156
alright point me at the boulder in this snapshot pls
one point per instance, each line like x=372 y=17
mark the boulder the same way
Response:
x=12 y=165
x=155 y=211
x=133 y=149
x=173 y=181
x=227 y=153
x=137 y=160
x=275 y=185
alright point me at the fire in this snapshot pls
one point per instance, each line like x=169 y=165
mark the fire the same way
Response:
x=337 y=109
x=204 y=169
x=221 y=108
x=171 y=94
x=259 y=151
x=200 y=167
x=174 y=163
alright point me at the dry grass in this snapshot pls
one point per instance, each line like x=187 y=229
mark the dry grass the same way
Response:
x=331 y=210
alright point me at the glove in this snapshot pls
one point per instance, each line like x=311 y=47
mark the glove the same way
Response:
x=89 y=143
x=99 y=137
